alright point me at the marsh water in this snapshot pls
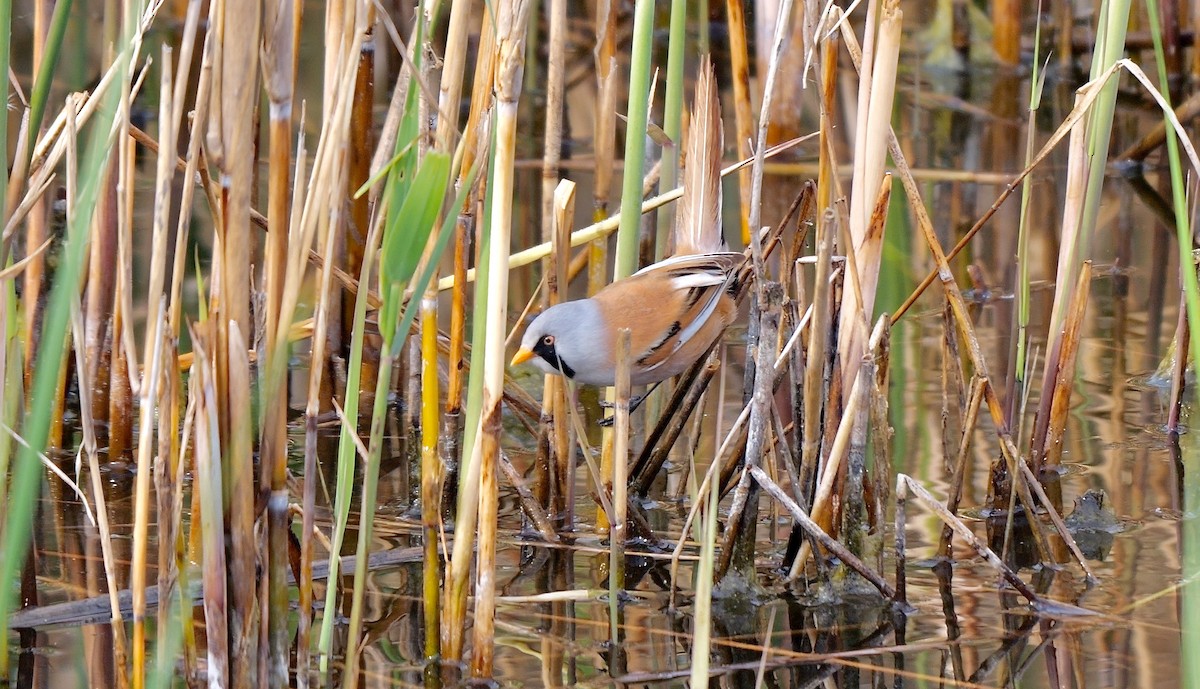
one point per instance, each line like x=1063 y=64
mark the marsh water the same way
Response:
x=965 y=131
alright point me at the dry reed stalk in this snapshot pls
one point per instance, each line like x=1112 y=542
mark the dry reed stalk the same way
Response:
x=737 y=547
x=511 y=23
x=236 y=28
x=279 y=55
x=1006 y=31
x=958 y=475
x=558 y=203
x=148 y=397
x=562 y=488
x=89 y=446
x=1179 y=368
x=475 y=140
x=870 y=162
x=739 y=64
x=241 y=543
x=620 y=496
x=208 y=490
x=846 y=555
x=822 y=504
x=906 y=485
x=1046 y=450
x=954 y=294
x=604 y=136
x=37 y=228
x=320 y=212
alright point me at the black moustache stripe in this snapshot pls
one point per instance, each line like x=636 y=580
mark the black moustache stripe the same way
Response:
x=550 y=356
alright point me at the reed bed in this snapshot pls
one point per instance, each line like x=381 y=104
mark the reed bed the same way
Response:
x=375 y=292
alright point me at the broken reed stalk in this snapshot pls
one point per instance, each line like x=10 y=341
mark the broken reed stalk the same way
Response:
x=814 y=530
x=620 y=495
x=958 y=475
x=511 y=25
x=561 y=495
x=906 y=485
x=871 y=186
x=208 y=488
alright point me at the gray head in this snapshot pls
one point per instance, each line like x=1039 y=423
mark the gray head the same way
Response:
x=568 y=339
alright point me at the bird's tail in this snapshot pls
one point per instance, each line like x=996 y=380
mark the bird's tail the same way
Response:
x=698 y=217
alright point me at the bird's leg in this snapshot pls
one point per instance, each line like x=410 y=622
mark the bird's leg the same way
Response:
x=634 y=403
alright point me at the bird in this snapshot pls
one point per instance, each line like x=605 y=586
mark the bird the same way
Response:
x=675 y=309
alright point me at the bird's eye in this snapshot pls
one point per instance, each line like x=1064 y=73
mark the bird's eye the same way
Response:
x=548 y=340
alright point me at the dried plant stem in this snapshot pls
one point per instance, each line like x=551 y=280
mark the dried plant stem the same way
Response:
x=814 y=530
x=279 y=48
x=512 y=22
x=906 y=485
x=208 y=488
x=620 y=497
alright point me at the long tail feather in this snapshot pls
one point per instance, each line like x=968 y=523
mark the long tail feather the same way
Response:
x=698 y=218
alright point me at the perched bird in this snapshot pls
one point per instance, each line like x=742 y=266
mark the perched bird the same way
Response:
x=674 y=309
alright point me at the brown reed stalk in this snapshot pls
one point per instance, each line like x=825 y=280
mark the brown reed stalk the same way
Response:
x=279 y=57
x=511 y=24
x=906 y=485
x=739 y=58
x=209 y=492
x=37 y=228
x=737 y=546
x=554 y=267
x=475 y=145
x=1047 y=450
x=604 y=144
x=237 y=29
x=604 y=141
x=958 y=475
x=560 y=500
x=1007 y=31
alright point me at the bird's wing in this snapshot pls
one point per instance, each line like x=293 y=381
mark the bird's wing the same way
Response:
x=696 y=287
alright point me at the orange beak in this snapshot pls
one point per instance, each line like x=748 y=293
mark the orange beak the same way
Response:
x=521 y=356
